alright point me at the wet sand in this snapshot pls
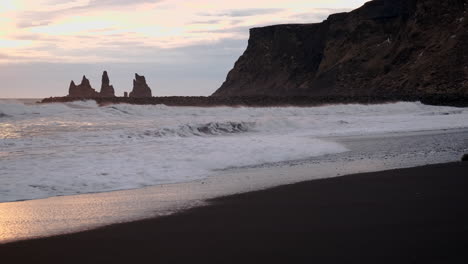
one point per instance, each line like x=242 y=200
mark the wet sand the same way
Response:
x=416 y=215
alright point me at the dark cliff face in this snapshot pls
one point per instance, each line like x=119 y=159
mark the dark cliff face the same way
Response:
x=386 y=47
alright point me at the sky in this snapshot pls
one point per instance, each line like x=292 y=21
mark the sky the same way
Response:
x=182 y=47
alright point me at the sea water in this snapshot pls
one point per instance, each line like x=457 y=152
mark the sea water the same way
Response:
x=71 y=148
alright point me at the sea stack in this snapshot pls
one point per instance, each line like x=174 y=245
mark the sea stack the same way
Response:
x=140 y=88
x=84 y=90
x=107 y=90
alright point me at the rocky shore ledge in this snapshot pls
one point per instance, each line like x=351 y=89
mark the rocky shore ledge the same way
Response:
x=270 y=101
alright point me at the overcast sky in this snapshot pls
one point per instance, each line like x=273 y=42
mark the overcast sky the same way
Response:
x=182 y=47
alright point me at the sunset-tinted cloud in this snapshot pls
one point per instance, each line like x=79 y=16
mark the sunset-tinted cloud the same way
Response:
x=169 y=32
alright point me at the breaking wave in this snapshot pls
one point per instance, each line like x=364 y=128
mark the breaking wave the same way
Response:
x=452 y=112
x=208 y=129
x=62 y=149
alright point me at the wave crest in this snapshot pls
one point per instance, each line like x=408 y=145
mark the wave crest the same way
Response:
x=208 y=129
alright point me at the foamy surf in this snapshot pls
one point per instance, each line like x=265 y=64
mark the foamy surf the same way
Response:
x=64 y=149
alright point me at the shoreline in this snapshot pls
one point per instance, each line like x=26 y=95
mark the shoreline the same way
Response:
x=337 y=138
x=410 y=215
x=69 y=214
x=455 y=100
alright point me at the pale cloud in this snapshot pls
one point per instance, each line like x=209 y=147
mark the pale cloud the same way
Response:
x=210 y=21
x=73 y=8
x=4 y=56
x=34 y=37
x=33 y=23
x=244 y=12
x=91 y=26
x=100 y=3
x=13 y=43
x=58 y=2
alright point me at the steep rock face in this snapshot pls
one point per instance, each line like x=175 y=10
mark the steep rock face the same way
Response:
x=140 y=88
x=107 y=90
x=386 y=47
x=83 y=90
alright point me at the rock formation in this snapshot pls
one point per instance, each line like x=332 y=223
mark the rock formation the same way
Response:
x=386 y=47
x=140 y=88
x=107 y=90
x=84 y=90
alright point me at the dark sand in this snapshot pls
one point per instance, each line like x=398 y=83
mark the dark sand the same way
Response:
x=417 y=215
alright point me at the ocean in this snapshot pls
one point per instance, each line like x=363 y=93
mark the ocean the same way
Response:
x=61 y=149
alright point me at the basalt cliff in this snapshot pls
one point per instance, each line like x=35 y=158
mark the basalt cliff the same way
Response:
x=393 y=48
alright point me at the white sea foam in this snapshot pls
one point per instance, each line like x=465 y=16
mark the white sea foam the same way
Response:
x=61 y=149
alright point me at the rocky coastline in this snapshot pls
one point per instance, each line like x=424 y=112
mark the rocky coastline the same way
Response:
x=270 y=101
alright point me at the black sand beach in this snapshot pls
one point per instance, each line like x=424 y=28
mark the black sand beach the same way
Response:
x=416 y=215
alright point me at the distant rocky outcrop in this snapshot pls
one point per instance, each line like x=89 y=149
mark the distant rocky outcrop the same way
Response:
x=83 y=90
x=107 y=90
x=271 y=101
x=140 y=88
x=394 y=48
